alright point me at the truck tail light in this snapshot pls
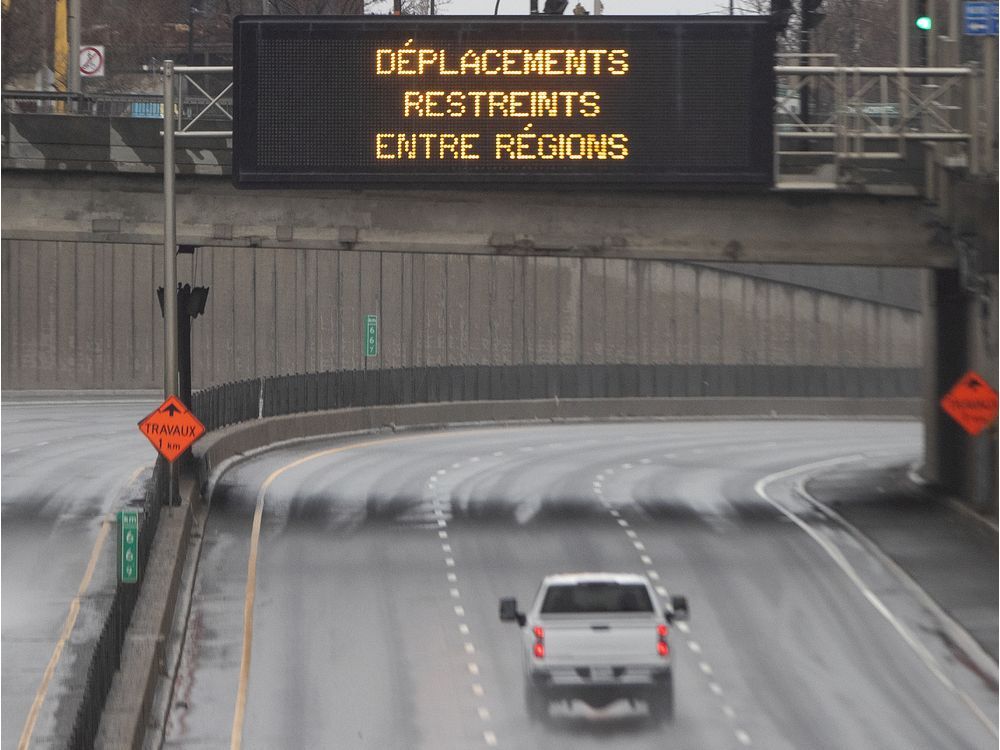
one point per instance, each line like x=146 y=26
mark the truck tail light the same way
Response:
x=539 y=648
x=661 y=640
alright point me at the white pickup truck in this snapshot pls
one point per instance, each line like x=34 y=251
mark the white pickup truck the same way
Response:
x=597 y=637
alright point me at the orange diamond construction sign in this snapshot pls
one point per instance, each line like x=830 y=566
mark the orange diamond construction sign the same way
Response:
x=172 y=428
x=971 y=402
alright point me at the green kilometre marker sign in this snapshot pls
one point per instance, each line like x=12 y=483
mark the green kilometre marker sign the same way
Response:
x=371 y=335
x=128 y=546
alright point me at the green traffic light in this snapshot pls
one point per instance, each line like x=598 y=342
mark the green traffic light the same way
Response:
x=924 y=23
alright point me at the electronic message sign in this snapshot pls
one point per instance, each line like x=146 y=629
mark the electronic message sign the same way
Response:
x=345 y=101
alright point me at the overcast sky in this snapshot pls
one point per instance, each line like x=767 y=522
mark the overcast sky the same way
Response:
x=611 y=7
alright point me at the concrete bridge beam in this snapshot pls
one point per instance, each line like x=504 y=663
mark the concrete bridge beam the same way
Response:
x=758 y=227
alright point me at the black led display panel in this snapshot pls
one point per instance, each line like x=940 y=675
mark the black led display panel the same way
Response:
x=353 y=101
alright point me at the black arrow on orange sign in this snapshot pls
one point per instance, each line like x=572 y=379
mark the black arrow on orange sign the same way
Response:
x=170 y=408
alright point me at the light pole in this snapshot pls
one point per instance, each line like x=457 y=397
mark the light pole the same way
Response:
x=74 y=52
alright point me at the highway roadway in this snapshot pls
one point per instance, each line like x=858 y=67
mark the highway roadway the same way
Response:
x=346 y=593
x=66 y=466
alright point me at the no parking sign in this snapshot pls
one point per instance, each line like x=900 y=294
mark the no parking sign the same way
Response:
x=92 y=61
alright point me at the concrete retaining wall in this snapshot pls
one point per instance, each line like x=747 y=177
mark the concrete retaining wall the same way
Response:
x=85 y=315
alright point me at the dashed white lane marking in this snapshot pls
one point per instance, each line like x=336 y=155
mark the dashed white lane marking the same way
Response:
x=432 y=480
x=497 y=453
x=653 y=575
x=645 y=460
x=474 y=460
x=489 y=737
x=442 y=472
x=14 y=450
x=44 y=442
x=670 y=455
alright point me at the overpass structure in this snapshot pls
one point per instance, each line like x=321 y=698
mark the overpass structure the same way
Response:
x=929 y=203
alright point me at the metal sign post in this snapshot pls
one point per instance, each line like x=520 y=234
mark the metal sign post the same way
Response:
x=169 y=257
x=170 y=132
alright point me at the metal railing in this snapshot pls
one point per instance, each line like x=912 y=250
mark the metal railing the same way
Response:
x=858 y=113
x=141 y=105
x=232 y=403
x=872 y=113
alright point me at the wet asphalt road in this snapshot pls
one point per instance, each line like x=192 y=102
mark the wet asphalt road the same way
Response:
x=65 y=466
x=379 y=567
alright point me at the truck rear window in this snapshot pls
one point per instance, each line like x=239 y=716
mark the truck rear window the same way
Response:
x=596 y=597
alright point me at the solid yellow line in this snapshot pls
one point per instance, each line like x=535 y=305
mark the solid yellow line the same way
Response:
x=236 y=738
x=74 y=611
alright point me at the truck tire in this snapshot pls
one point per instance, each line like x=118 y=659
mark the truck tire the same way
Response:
x=536 y=702
x=661 y=703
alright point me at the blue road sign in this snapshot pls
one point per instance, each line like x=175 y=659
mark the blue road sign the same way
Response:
x=980 y=18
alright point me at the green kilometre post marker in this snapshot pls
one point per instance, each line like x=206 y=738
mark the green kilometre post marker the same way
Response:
x=371 y=335
x=128 y=546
